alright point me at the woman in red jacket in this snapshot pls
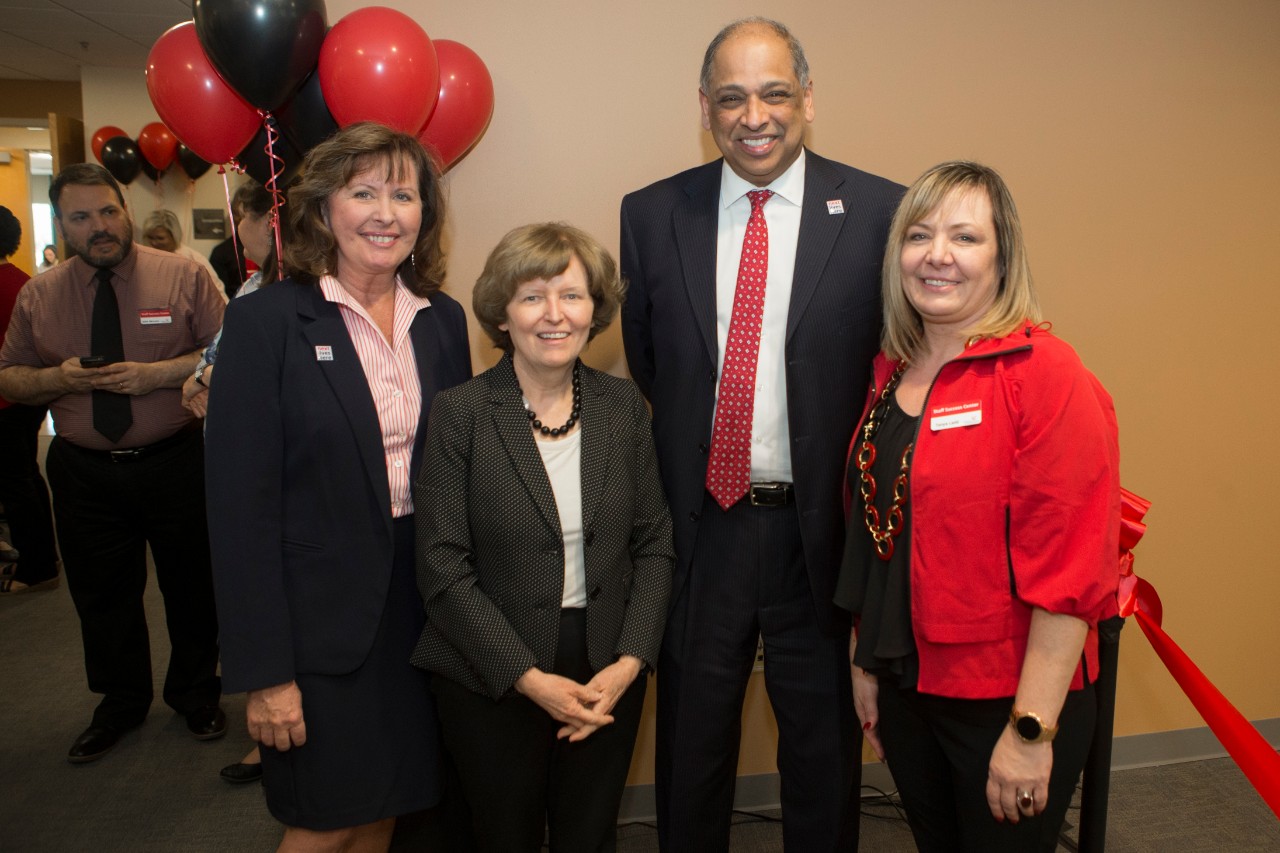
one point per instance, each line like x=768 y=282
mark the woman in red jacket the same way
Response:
x=983 y=534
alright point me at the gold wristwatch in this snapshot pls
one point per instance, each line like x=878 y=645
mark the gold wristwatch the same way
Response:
x=1030 y=728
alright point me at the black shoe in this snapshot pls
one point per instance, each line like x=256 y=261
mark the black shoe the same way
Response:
x=239 y=773
x=208 y=723
x=93 y=743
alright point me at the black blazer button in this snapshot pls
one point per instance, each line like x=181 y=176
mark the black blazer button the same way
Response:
x=702 y=448
x=590 y=537
x=693 y=516
x=595 y=593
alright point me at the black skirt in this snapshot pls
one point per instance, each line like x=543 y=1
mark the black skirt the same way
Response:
x=373 y=743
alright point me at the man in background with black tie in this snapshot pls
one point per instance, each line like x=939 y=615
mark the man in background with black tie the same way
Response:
x=106 y=341
x=752 y=315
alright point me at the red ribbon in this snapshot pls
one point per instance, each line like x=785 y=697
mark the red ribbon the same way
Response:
x=273 y=186
x=1249 y=749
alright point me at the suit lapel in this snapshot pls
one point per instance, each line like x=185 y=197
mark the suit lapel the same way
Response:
x=819 y=229
x=512 y=422
x=324 y=328
x=694 y=223
x=426 y=351
x=597 y=445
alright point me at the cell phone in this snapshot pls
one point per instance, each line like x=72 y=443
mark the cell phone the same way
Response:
x=93 y=360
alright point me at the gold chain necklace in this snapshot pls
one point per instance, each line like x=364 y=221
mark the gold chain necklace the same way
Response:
x=883 y=536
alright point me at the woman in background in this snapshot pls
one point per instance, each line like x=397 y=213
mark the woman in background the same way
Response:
x=982 y=544
x=161 y=231
x=258 y=242
x=48 y=259
x=31 y=561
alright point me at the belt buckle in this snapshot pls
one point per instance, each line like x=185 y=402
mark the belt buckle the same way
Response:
x=127 y=455
x=768 y=494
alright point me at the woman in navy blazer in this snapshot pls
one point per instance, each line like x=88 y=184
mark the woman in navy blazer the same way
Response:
x=544 y=554
x=312 y=442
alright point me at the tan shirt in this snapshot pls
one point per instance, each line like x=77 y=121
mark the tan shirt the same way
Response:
x=169 y=307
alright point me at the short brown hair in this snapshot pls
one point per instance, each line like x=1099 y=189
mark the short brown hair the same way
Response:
x=1015 y=301
x=85 y=175
x=543 y=250
x=312 y=250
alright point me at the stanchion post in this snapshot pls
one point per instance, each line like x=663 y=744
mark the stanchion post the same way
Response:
x=1097 y=769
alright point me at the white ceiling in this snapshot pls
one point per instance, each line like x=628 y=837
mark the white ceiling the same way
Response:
x=52 y=39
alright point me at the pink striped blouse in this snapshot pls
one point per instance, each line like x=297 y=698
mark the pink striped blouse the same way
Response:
x=392 y=374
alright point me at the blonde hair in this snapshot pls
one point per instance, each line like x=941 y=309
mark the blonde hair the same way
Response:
x=1015 y=301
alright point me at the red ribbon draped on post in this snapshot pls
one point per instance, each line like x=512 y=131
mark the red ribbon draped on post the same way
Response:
x=1249 y=749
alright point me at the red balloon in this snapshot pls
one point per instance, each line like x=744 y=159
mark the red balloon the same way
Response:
x=465 y=106
x=100 y=137
x=158 y=145
x=378 y=64
x=193 y=101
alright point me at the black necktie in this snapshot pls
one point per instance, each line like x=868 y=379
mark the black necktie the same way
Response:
x=112 y=414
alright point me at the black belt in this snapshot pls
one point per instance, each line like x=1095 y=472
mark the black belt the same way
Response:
x=771 y=494
x=134 y=454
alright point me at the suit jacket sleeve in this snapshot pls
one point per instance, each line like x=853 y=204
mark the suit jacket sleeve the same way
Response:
x=637 y=336
x=447 y=579
x=652 y=554
x=244 y=458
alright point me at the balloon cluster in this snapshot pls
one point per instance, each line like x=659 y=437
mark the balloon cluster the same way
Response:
x=150 y=154
x=227 y=80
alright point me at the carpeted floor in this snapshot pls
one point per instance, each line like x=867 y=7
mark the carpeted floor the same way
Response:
x=159 y=789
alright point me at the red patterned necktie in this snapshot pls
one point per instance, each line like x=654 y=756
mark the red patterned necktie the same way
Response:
x=729 y=468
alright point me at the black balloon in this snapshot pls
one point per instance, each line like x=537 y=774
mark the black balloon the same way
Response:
x=121 y=158
x=263 y=48
x=147 y=169
x=191 y=162
x=257 y=164
x=306 y=119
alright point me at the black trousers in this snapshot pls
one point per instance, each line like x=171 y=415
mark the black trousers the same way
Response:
x=108 y=513
x=939 y=749
x=747 y=580
x=519 y=780
x=25 y=495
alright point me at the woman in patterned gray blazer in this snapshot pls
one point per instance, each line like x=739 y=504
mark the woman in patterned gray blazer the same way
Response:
x=544 y=554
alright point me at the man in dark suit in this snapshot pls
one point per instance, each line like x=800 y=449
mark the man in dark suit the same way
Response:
x=756 y=372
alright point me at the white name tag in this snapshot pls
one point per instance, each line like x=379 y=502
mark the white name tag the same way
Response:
x=155 y=317
x=952 y=415
x=324 y=353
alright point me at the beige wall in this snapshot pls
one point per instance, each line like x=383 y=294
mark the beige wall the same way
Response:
x=114 y=96
x=1139 y=139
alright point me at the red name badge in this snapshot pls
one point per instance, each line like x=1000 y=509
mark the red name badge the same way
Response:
x=155 y=316
x=952 y=415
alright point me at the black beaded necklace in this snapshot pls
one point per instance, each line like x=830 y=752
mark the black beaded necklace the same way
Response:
x=556 y=432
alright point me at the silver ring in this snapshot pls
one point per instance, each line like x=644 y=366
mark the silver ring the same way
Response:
x=1026 y=800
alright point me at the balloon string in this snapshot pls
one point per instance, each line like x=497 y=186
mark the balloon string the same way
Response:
x=273 y=186
x=241 y=272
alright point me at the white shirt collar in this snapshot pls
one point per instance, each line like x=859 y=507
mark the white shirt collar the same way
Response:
x=789 y=185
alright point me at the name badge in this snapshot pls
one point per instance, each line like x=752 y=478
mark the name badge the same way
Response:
x=155 y=316
x=834 y=207
x=324 y=353
x=952 y=415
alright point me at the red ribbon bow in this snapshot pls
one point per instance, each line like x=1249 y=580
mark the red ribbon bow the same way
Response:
x=1259 y=762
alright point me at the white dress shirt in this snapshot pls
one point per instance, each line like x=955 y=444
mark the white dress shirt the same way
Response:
x=770 y=432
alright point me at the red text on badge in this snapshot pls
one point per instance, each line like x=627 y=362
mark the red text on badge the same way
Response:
x=154 y=316
x=952 y=415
